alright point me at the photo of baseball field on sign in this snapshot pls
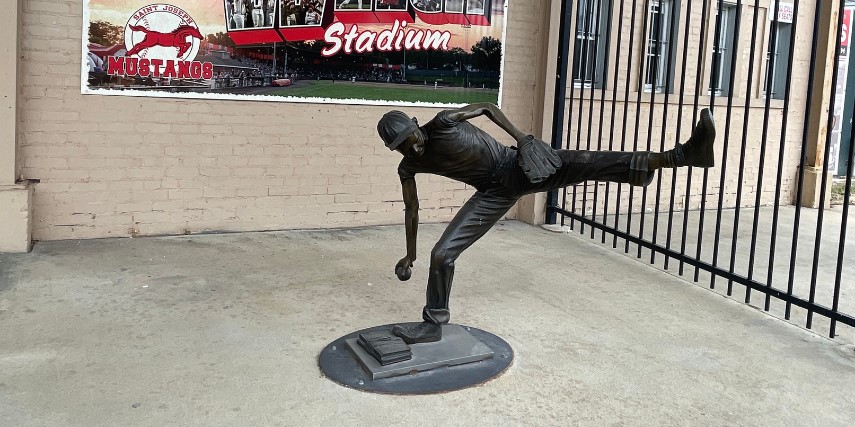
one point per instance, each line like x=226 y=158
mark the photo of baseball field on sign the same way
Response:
x=389 y=52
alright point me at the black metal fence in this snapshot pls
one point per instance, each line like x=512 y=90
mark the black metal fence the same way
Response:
x=634 y=74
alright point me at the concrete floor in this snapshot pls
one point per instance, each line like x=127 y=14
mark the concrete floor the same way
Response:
x=758 y=268
x=224 y=330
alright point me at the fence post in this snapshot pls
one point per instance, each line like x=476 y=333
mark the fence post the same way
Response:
x=15 y=199
x=9 y=48
x=818 y=120
x=531 y=208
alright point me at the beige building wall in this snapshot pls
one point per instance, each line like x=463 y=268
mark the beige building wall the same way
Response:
x=15 y=196
x=115 y=166
x=733 y=133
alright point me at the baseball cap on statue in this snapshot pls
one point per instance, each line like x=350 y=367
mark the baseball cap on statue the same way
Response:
x=394 y=127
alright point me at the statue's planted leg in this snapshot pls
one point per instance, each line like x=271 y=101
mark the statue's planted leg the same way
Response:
x=419 y=332
x=475 y=218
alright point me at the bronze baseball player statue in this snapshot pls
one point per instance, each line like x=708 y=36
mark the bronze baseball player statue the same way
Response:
x=451 y=147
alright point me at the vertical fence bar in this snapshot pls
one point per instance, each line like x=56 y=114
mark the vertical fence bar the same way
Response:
x=559 y=101
x=625 y=110
x=669 y=66
x=847 y=193
x=777 y=203
x=716 y=59
x=619 y=45
x=602 y=110
x=654 y=72
x=727 y=123
x=570 y=116
x=640 y=89
x=801 y=179
x=596 y=25
x=570 y=112
x=677 y=137
x=706 y=174
x=588 y=8
x=750 y=80
x=687 y=201
x=759 y=189
x=679 y=129
x=822 y=191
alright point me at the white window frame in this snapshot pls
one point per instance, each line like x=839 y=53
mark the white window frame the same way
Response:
x=662 y=80
x=781 y=52
x=590 y=43
x=726 y=18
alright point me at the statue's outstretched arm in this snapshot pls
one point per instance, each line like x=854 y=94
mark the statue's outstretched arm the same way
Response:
x=491 y=111
x=411 y=224
x=538 y=160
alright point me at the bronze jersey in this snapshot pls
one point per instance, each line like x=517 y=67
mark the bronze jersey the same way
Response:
x=460 y=151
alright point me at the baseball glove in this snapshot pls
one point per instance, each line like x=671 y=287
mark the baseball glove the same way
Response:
x=537 y=159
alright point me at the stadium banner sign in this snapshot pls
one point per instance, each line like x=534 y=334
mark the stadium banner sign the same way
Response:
x=378 y=52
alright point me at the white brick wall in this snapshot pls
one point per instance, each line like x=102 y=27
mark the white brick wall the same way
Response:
x=122 y=166
x=753 y=135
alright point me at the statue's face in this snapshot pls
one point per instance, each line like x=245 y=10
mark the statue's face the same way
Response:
x=413 y=146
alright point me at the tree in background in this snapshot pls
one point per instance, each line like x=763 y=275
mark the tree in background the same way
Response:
x=487 y=54
x=106 y=34
x=458 y=57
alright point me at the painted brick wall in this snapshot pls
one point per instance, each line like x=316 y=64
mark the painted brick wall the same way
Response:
x=636 y=134
x=123 y=166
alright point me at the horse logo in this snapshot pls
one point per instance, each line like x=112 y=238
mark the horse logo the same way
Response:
x=162 y=31
x=176 y=39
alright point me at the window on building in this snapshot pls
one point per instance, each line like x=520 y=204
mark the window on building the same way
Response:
x=723 y=53
x=777 y=58
x=592 y=28
x=659 y=74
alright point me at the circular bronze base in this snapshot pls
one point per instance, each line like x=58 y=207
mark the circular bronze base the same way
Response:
x=338 y=364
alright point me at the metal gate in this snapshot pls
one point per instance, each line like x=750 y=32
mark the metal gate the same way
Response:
x=634 y=74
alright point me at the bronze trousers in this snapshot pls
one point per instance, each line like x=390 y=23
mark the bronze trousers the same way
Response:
x=488 y=205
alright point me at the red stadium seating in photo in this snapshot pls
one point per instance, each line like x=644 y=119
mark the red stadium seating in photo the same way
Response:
x=254 y=36
x=480 y=19
x=308 y=31
x=395 y=11
x=353 y=14
x=432 y=12
x=468 y=16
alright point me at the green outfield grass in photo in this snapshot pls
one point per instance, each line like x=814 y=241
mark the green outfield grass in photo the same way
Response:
x=388 y=92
